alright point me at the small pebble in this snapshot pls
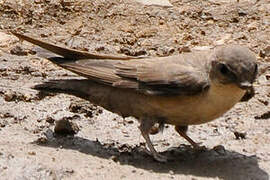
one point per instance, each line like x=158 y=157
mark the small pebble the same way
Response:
x=114 y=158
x=9 y=95
x=50 y=120
x=66 y=127
x=240 y=135
x=220 y=149
x=32 y=153
x=17 y=50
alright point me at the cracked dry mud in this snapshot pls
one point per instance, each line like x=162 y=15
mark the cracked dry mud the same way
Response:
x=106 y=145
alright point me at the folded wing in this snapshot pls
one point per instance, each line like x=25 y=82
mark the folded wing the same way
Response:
x=174 y=75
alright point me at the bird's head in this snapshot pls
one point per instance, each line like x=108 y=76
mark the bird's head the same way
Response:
x=234 y=65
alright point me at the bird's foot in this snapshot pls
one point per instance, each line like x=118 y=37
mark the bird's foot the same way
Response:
x=160 y=158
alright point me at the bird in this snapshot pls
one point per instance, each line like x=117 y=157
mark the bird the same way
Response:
x=181 y=90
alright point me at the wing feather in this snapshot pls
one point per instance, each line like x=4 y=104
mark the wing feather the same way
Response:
x=164 y=76
x=174 y=75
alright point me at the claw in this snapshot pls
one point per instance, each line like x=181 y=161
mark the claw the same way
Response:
x=160 y=158
x=182 y=131
x=145 y=128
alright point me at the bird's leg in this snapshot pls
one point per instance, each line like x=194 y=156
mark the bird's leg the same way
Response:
x=145 y=127
x=182 y=131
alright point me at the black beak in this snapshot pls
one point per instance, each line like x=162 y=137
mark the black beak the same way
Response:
x=245 y=85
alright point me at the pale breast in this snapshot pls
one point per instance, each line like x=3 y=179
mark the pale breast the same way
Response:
x=202 y=108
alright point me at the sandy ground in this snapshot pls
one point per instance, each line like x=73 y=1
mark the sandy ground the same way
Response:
x=108 y=146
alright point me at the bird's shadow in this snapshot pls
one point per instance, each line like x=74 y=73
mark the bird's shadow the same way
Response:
x=217 y=162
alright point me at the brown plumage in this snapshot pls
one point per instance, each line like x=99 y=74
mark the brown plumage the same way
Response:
x=181 y=90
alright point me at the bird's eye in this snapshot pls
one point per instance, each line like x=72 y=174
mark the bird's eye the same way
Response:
x=223 y=69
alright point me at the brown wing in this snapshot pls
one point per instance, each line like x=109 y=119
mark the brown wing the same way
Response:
x=163 y=76
x=158 y=76
x=174 y=75
x=98 y=70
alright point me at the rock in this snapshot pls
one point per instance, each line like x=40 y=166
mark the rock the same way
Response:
x=84 y=107
x=42 y=140
x=223 y=39
x=66 y=127
x=202 y=48
x=132 y=52
x=250 y=93
x=184 y=49
x=171 y=172
x=265 y=52
x=163 y=3
x=165 y=51
x=32 y=153
x=252 y=26
x=265 y=115
x=9 y=95
x=6 y=40
x=220 y=149
x=221 y=1
x=240 y=135
x=17 y=50
x=114 y=158
x=75 y=42
x=147 y=32
x=50 y=120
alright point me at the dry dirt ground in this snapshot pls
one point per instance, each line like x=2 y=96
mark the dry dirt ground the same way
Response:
x=108 y=146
